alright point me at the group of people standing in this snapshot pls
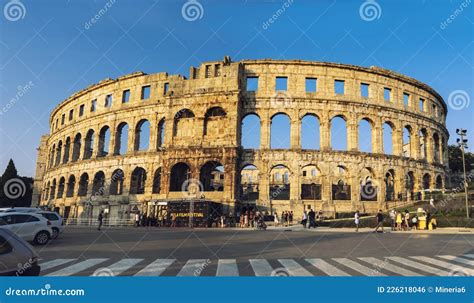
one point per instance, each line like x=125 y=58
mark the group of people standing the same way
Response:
x=286 y=218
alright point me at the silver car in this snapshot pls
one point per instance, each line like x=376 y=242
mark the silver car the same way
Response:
x=17 y=257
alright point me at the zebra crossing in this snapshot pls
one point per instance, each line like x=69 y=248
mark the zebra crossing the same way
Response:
x=440 y=265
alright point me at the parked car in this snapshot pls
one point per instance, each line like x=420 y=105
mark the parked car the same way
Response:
x=28 y=226
x=57 y=222
x=17 y=257
x=20 y=209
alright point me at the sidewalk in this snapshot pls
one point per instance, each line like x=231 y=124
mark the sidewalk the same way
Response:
x=443 y=230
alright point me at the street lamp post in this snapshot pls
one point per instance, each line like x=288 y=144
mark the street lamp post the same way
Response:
x=463 y=144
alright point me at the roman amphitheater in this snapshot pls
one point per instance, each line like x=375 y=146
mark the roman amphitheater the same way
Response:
x=143 y=142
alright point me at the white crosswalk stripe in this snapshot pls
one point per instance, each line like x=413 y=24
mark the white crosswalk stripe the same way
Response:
x=227 y=268
x=358 y=267
x=458 y=259
x=293 y=268
x=390 y=267
x=261 y=267
x=78 y=267
x=156 y=268
x=470 y=256
x=193 y=267
x=327 y=268
x=54 y=263
x=449 y=266
x=419 y=266
x=122 y=265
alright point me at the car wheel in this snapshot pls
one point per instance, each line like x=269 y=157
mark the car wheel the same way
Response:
x=55 y=233
x=42 y=238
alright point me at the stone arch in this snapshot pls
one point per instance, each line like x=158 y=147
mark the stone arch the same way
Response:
x=121 y=139
x=104 y=141
x=160 y=137
x=439 y=182
x=52 y=193
x=426 y=181
x=388 y=142
x=211 y=176
x=157 y=181
x=280 y=131
x=46 y=192
x=116 y=182
x=58 y=153
x=390 y=185
x=138 y=181
x=83 y=185
x=366 y=130
x=341 y=189
x=142 y=135
x=213 y=120
x=98 y=184
x=338 y=132
x=250 y=131
x=436 y=147
x=423 y=134
x=61 y=186
x=280 y=182
x=368 y=187
x=407 y=144
x=180 y=174
x=67 y=147
x=311 y=182
x=249 y=183
x=76 y=148
x=51 y=156
x=89 y=144
x=310 y=132
x=183 y=124
x=410 y=181
x=71 y=185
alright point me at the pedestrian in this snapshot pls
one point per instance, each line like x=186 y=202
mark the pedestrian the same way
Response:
x=357 y=220
x=393 y=216
x=305 y=219
x=283 y=218
x=275 y=219
x=137 y=219
x=100 y=219
x=398 y=221
x=406 y=220
x=312 y=219
x=414 y=222
x=290 y=216
x=379 y=221
x=432 y=203
x=173 y=220
x=246 y=219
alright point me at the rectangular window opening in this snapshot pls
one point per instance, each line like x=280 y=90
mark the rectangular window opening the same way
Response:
x=252 y=84
x=81 y=110
x=422 y=105
x=108 y=101
x=93 y=105
x=387 y=94
x=406 y=99
x=281 y=83
x=71 y=114
x=126 y=96
x=311 y=85
x=145 y=92
x=364 y=90
x=166 y=88
x=339 y=87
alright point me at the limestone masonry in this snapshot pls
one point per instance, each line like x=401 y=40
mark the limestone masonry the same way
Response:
x=140 y=142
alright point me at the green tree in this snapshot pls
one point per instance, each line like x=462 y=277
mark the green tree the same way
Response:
x=455 y=159
x=14 y=189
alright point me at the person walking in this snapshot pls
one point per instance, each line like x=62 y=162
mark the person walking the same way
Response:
x=312 y=219
x=432 y=203
x=398 y=221
x=406 y=220
x=357 y=220
x=290 y=217
x=393 y=216
x=100 y=219
x=275 y=219
x=379 y=221
x=137 y=219
x=305 y=219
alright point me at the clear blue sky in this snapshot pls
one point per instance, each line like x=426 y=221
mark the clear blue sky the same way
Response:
x=52 y=48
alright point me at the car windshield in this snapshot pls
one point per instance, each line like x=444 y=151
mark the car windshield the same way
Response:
x=5 y=247
x=50 y=216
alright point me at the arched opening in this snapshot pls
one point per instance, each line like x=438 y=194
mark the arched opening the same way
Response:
x=387 y=132
x=98 y=185
x=436 y=144
x=104 y=141
x=61 y=185
x=338 y=133
x=368 y=188
x=280 y=183
x=410 y=185
x=46 y=192
x=365 y=135
x=439 y=182
x=280 y=131
x=116 y=182
x=310 y=183
x=89 y=144
x=58 y=153
x=71 y=185
x=180 y=173
x=213 y=120
x=390 y=185
x=310 y=132
x=121 y=139
x=183 y=125
x=211 y=176
x=51 y=155
x=52 y=193
x=76 y=148
x=138 y=181
x=160 y=139
x=250 y=132
x=157 y=181
x=426 y=181
x=407 y=142
x=341 y=190
x=249 y=183
x=423 y=141
x=142 y=135
x=83 y=185
x=67 y=147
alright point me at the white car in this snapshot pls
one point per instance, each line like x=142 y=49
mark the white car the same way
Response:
x=56 y=220
x=17 y=258
x=28 y=226
x=19 y=209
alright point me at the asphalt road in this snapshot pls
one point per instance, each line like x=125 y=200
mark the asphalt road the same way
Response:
x=136 y=248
